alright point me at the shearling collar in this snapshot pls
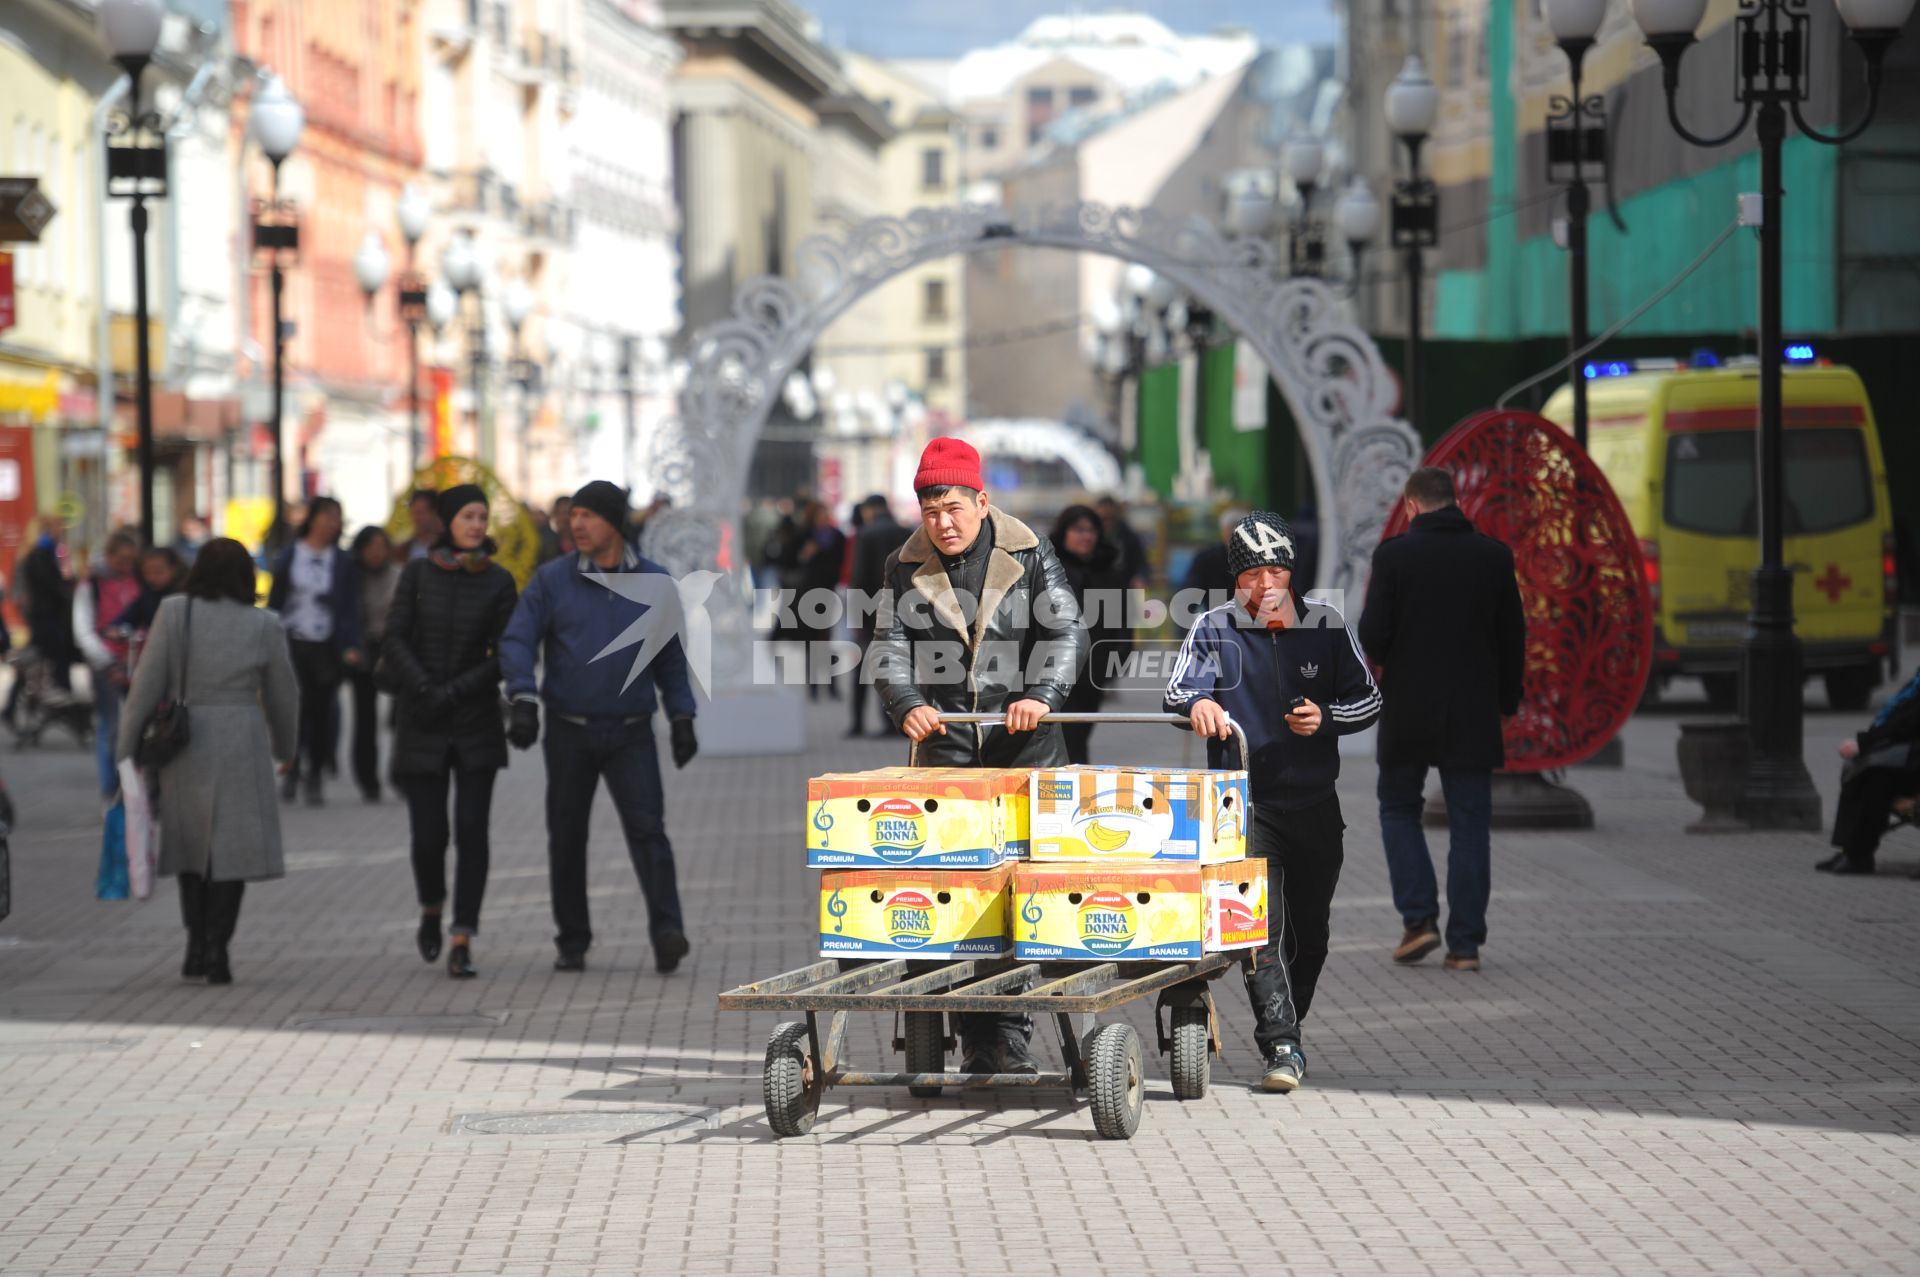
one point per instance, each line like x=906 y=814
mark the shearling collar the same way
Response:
x=1003 y=572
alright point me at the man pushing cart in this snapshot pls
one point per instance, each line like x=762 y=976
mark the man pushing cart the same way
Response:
x=976 y=617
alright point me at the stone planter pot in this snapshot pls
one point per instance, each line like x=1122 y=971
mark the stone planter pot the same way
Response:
x=1713 y=767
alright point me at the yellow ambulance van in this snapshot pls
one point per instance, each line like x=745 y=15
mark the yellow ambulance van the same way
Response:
x=1678 y=444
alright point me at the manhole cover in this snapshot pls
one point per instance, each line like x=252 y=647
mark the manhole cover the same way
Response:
x=623 y=1122
x=65 y=1046
x=400 y=1023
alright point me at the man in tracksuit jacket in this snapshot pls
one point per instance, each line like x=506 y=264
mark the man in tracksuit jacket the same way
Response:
x=590 y=611
x=1251 y=660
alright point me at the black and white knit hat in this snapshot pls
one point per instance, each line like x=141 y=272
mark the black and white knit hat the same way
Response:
x=1261 y=540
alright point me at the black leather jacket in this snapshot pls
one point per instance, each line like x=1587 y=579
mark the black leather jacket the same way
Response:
x=1028 y=641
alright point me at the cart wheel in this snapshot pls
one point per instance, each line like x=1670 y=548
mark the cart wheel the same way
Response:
x=791 y=1103
x=1192 y=1052
x=926 y=1034
x=1116 y=1080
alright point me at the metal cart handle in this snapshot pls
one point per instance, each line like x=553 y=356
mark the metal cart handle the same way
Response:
x=1084 y=716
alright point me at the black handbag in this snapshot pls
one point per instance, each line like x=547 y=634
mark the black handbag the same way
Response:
x=166 y=732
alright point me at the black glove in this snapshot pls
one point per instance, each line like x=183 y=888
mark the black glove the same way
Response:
x=684 y=744
x=525 y=728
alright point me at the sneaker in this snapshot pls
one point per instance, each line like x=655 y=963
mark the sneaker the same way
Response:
x=1286 y=1069
x=1462 y=962
x=1420 y=940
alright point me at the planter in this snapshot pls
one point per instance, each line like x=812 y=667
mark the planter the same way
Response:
x=1713 y=767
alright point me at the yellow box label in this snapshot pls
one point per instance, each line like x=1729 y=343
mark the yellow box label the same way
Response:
x=918 y=912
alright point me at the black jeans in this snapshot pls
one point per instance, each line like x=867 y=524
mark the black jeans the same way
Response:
x=578 y=755
x=317 y=669
x=1304 y=851
x=472 y=820
x=366 y=730
x=210 y=909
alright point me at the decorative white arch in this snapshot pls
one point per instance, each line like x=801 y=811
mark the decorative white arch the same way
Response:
x=1337 y=386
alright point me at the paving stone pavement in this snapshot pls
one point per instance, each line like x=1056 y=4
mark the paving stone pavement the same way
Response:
x=1683 y=1055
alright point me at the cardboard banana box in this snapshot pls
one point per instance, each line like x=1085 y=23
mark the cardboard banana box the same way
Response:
x=1236 y=914
x=1121 y=814
x=1116 y=913
x=930 y=817
x=918 y=913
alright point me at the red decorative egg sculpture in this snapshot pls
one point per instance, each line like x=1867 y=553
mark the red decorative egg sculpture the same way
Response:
x=1583 y=584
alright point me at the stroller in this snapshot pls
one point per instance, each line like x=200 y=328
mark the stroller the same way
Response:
x=39 y=703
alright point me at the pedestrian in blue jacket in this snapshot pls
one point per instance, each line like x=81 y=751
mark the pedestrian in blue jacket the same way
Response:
x=1292 y=677
x=609 y=623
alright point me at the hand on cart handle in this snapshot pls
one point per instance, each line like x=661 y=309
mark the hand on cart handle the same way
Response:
x=1025 y=715
x=921 y=722
x=1209 y=719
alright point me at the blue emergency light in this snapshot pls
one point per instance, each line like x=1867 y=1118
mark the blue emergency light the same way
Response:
x=1613 y=368
x=1799 y=352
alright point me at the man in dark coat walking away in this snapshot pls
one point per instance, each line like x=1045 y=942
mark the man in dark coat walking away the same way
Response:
x=1443 y=624
x=592 y=618
x=976 y=615
x=880 y=535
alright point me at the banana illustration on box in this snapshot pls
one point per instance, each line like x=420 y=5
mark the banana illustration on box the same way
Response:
x=1115 y=813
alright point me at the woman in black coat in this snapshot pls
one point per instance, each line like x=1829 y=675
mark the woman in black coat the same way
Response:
x=1092 y=563
x=442 y=658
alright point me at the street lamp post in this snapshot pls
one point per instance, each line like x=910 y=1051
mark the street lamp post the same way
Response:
x=517 y=303
x=137 y=170
x=275 y=122
x=1357 y=218
x=1412 y=106
x=1574 y=137
x=411 y=212
x=460 y=265
x=1306 y=245
x=440 y=306
x=1771 y=82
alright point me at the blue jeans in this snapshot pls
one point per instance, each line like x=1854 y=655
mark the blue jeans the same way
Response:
x=1469 y=793
x=578 y=755
x=107 y=700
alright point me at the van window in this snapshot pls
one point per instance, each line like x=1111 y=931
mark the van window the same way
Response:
x=1711 y=486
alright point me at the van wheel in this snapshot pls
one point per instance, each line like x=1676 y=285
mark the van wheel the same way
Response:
x=1723 y=692
x=1849 y=689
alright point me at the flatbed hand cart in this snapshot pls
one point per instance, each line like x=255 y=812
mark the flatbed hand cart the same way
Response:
x=804 y=1058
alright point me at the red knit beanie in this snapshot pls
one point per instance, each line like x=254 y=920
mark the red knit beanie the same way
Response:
x=948 y=462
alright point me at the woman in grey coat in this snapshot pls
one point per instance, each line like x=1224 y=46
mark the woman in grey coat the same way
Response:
x=219 y=817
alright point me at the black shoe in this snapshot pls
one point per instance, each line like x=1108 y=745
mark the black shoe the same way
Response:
x=1831 y=863
x=570 y=961
x=195 y=966
x=1285 y=1070
x=370 y=793
x=1848 y=866
x=1016 y=1056
x=429 y=937
x=218 y=969
x=978 y=1059
x=460 y=961
x=668 y=950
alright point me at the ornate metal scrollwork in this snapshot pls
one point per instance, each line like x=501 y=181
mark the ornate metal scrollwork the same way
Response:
x=1337 y=386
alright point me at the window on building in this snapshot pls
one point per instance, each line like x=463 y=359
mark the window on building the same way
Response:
x=933 y=300
x=1082 y=95
x=1456 y=53
x=936 y=366
x=989 y=139
x=1040 y=96
x=933 y=169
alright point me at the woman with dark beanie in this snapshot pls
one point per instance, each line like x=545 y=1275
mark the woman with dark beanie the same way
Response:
x=1092 y=565
x=442 y=643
